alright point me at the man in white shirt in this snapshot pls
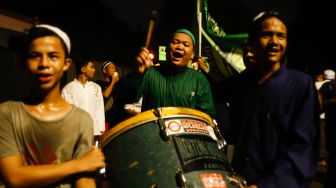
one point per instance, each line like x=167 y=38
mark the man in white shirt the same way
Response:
x=86 y=94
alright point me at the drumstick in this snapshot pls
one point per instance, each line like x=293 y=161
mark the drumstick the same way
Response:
x=150 y=32
x=154 y=15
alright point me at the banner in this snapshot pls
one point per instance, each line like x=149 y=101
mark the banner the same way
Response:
x=222 y=51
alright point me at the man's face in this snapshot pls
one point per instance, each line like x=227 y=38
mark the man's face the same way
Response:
x=46 y=61
x=248 y=57
x=271 y=42
x=110 y=69
x=181 y=49
x=89 y=70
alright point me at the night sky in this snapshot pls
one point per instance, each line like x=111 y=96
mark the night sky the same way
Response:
x=116 y=29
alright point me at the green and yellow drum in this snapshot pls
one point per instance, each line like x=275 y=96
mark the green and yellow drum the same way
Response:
x=167 y=147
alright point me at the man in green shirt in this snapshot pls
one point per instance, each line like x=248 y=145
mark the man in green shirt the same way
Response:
x=173 y=83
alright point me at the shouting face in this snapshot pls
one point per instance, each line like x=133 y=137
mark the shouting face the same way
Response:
x=181 y=49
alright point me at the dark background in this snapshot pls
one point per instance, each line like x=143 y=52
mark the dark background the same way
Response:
x=116 y=29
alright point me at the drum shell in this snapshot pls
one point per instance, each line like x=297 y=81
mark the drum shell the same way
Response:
x=140 y=156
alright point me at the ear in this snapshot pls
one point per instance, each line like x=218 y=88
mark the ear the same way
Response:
x=83 y=70
x=67 y=64
x=193 y=54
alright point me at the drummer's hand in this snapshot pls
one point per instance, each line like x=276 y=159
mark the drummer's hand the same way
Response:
x=92 y=160
x=143 y=60
x=202 y=65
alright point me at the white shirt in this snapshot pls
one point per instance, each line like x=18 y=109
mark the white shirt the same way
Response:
x=88 y=97
x=318 y=85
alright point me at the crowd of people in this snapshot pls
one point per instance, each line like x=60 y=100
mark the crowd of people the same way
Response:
x=48 y=137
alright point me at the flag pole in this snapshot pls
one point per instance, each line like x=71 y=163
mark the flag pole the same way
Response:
x=199 y=19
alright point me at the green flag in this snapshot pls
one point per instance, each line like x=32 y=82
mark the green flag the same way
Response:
x=223 y=51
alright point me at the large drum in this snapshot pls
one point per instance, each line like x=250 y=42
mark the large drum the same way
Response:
x=167 y=147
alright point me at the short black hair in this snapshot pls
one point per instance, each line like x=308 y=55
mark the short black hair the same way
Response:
x=81 y=62
x=257 y=20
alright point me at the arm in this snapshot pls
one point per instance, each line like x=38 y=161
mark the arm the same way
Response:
x=143 y=60
x=16 y=174
x=203 y=65
x=85 y=182
x=108 y=91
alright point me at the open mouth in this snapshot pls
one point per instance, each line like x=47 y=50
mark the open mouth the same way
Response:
x=177 y=54
x=44 y=77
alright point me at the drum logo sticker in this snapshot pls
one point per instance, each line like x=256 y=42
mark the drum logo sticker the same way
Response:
x=213 y=180
x=174 y=126
x=178 y=126
x=193 y=126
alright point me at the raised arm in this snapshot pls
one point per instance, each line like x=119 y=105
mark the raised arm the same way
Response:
x=109 y=89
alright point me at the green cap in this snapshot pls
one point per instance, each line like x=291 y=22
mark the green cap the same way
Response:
x=186 y=31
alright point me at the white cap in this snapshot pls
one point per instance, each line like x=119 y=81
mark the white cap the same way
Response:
x=59 y=33
x=105 y=64
x=329 y=74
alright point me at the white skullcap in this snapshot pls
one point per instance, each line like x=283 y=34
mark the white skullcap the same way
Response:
x=59 y=33
x=329 y=74
x=258 y=16
x=105 y=64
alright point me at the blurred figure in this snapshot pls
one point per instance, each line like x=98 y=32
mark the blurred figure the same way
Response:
x=108 y=84
x=328 y=101
x=86 y=94
x=249 y=57
x=320 y=79
x=44 y=140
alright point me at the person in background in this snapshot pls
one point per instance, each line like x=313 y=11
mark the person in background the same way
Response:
x=273 y=110
x=108 y=84
x=320 y=79
x=328 y=102
x=173 y=83
x=86 y=94
x=44 y=140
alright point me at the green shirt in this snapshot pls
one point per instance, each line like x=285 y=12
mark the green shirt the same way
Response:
x=188 y=88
